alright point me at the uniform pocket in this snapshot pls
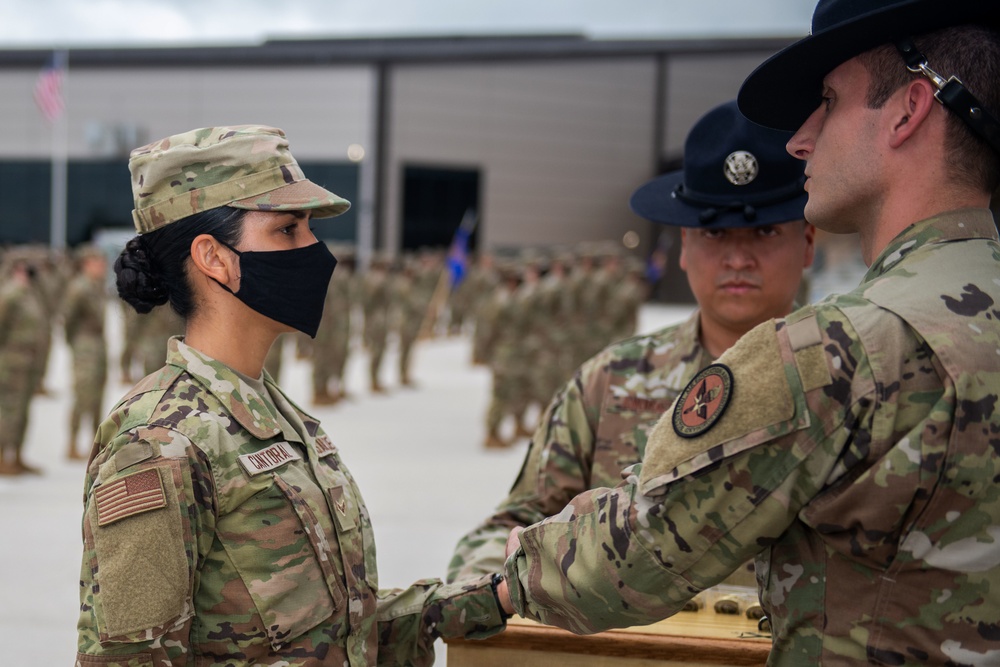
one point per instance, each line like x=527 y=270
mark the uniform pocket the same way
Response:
x=282 y=554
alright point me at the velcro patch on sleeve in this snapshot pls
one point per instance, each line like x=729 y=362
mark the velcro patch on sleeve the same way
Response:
x=269 y=458
x=761 y=398
x=806 y=339
x=130 y=495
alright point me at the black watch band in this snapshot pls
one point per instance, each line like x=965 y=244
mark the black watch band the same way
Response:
x=494 y=583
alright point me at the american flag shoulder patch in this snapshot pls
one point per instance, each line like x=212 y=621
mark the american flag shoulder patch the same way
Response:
x=130 y=495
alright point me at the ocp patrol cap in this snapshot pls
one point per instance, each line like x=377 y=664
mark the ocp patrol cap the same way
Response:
x=244 y=166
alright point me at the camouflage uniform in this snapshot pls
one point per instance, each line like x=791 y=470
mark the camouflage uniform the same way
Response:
x=483 y=283
x=509 y=376
x=459 y=305
x=556 y=310
x=584 y=288
x=856 y=459
x=333 y=339
x=222 y=527
x=155 y=329
x=131 y=324
x=83 y=322
x=375 y=301
x=23 y=322
x=595 y=427
x=50 y=282
x=629 y=295
x=532 y=322
x=409 y=301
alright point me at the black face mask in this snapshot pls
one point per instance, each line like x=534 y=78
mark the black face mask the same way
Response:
x=289 y=286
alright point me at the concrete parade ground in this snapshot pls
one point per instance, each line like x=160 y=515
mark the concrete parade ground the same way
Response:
x=416 y=453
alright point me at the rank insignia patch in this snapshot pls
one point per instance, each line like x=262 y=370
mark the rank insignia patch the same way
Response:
x=133 y=494
x=703 y=401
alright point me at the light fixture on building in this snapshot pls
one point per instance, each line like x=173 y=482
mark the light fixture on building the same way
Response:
x=631 y=240
x=355 y=153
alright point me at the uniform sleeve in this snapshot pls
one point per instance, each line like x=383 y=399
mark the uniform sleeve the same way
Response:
x=146 y=520
x=410 y=620
x=556 y=468
x=700 y=506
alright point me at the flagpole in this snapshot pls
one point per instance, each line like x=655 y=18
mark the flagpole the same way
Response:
x=60 y=160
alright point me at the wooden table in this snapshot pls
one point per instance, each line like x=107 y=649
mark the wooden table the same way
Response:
x=688 y=638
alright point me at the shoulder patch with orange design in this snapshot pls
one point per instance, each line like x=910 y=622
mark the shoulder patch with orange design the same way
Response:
x=703 y=401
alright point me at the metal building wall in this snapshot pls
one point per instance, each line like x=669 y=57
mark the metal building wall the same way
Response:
x=322 y=109
x=698 y=82
x=560 y=144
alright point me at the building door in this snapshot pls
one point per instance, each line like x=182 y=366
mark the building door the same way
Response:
x=434 y=201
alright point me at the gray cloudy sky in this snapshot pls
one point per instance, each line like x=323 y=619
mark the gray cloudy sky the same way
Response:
x=43 y=23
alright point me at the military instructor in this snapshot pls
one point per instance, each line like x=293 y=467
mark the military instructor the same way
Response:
x=852 y=446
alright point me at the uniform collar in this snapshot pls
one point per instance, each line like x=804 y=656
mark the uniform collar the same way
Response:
x=251 y=410
x=958 y=225
x=688 y=333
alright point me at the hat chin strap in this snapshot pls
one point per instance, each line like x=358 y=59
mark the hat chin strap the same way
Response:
x=953 y=95
x=711 y=209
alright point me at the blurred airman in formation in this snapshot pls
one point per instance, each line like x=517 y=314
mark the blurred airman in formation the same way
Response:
x=530 y=318
x=332 y=345
x=24 y=340
x=83 y=323
x=546 y=313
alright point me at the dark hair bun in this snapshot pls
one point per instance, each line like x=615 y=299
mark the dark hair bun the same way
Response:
x=139 y=283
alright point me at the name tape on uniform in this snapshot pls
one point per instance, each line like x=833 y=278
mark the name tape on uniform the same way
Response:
x=270 y=458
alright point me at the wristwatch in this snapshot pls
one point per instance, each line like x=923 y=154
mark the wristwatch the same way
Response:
x=495 y=583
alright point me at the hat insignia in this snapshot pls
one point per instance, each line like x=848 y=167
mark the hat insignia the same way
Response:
x=741 y=168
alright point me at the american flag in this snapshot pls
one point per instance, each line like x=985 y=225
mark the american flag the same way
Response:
x=133 y=494
x=48 y=87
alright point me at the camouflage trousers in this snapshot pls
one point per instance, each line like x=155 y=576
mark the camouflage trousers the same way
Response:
x=511 y=393
x=375 y=341
x=90 y=372
x=407 y=340
x=329 y=362
x=18 y=382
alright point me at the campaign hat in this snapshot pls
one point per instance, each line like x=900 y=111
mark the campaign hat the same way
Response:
x=735 y=174
x=786 y=88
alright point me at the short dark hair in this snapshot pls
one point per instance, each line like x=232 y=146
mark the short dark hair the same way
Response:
x=152 y=269
x=969 y=52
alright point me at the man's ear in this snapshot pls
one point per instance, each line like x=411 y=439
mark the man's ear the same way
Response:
x=810 y=233
x=909 y=109
x=216 y=261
